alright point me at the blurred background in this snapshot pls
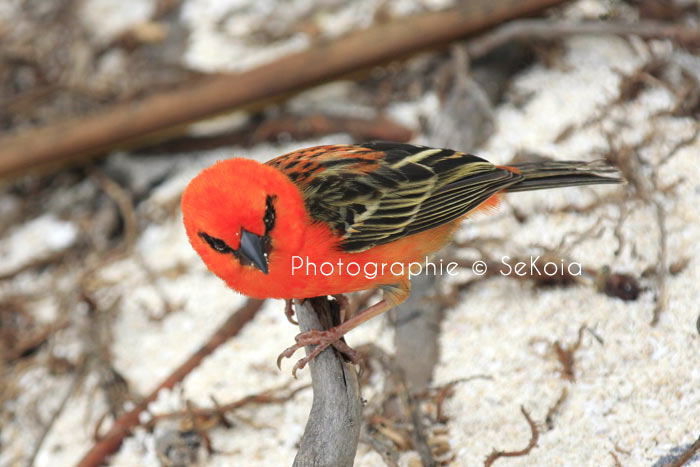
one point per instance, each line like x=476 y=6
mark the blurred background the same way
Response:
x=108 y=109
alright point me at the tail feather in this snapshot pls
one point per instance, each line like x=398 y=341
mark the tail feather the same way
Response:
x=553 y=174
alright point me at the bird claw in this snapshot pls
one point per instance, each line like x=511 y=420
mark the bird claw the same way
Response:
x=322 y=340
x=303 y=339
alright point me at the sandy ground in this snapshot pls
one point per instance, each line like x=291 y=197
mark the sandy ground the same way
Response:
x=635 y=395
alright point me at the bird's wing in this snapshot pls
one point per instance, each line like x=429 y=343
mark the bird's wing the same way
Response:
x=376 y=193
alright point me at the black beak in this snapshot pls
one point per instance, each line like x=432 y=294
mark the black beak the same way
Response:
x=252 y=248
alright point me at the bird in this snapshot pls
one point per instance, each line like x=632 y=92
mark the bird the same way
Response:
x=260 y=226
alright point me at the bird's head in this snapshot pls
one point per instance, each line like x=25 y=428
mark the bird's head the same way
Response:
x=239 y=214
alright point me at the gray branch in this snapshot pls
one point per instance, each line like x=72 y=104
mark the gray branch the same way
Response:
x=417 y=324
x=333 y=429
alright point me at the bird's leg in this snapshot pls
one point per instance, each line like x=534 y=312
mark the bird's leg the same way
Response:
x=289 y=311
x=393 y=295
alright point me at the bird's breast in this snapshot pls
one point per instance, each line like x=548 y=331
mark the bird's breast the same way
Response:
x=320 y=268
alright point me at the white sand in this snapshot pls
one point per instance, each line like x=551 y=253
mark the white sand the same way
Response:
x=637 y=394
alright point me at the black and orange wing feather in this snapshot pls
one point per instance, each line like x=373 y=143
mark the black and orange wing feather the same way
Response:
x=376 y=193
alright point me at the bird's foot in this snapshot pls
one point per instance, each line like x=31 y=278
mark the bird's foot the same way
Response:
x=322 y=340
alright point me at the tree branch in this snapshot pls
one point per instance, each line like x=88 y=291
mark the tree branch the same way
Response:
x=333 y=429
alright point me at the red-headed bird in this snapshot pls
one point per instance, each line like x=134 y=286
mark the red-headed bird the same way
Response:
x=261 y=227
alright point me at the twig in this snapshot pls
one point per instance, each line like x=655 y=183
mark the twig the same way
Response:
x=408 y=401
x=549 y=418
x=523 y=452
x=123 y=426
x=418 y=433
x=77 y=378
x=615 y=459
x=686 y=455
x=447 y=390
x=265 y=397
x=384 y=448
x=661 y=266
x=124 y=203
x=565 y=355
x=152 y=277
x=56 y=257
x=127 y=123
x=529 y=29
x=333 y=429
x=35 y=339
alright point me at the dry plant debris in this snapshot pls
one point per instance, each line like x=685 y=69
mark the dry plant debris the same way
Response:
x=63 y=304
x=496 y=454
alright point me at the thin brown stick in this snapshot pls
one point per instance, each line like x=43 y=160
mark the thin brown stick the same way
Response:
x=70 y=392
x=615 y=459
x=523 y=452
x=131 y=122
x=265 y=397
x=565 y=355
x=35 y=339
x=123 y=200
x=529 y=29
x=549 y=419
x=446 y=391
x=686 y=455
x=385 y=449
x=123 y=426
x=661 y=266
x=54 y=258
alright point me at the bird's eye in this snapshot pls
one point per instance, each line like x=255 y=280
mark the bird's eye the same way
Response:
x=269 y=217
x=216 y=243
